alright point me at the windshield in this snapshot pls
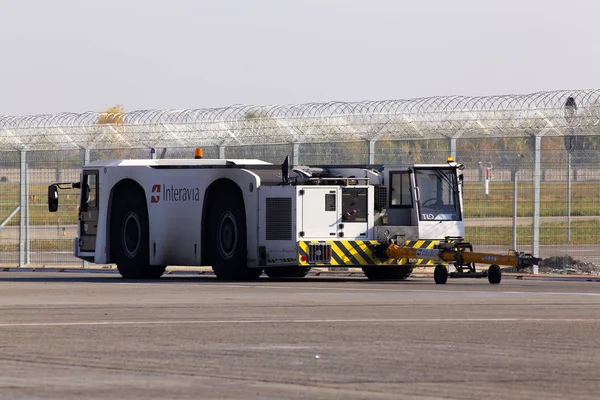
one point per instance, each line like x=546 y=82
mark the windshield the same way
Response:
x=438 y=194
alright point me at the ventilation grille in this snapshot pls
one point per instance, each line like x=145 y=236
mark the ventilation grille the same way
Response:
x=380 y=197
x=279 y=218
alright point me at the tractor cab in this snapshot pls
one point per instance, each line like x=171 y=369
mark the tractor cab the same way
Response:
x=424 y=201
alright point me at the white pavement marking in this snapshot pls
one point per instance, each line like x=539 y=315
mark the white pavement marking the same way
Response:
x=295 y=321
x=399 y=290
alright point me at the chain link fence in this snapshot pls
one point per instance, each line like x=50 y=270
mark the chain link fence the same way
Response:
x=532 y=181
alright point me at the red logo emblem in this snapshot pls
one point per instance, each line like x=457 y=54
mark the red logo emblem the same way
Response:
x=153 y=198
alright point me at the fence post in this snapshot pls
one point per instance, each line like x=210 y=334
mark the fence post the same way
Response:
x=222 y=151
x=537 y=175
x=372 y=151
x=86 y=160
x=515 y=209
x=569 y=196
x=24 y=213
x=453 y=147
x=296 y=154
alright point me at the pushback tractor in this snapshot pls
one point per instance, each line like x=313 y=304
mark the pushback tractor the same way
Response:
x=246 y=217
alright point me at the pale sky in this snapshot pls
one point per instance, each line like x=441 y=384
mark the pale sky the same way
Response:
x=76 y=55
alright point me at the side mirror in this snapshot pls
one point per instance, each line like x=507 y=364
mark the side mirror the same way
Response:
x=52 y=198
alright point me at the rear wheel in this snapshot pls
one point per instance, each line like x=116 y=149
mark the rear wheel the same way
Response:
x=440 y=274
x=129 y=236
x=388 y=273
x=227 y=237
x=287 y=272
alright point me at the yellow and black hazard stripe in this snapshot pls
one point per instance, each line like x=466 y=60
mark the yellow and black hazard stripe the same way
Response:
x=282 y=261
x=359 y=252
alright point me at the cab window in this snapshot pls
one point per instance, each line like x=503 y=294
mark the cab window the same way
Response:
x=89 y=191
x=400 y=193
x=438 y=190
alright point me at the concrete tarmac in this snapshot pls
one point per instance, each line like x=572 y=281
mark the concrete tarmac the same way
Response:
x=90 y=335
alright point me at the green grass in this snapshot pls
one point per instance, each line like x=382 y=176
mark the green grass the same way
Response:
x=551 y=233
x=554 y=233
x=42 y=245
x=585 y=200
x=38 y=206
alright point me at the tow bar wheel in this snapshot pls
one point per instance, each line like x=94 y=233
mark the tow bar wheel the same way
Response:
x=494 y=274
x=440 y=274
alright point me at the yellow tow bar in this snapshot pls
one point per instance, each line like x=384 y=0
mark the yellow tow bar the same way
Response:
x=456 y=251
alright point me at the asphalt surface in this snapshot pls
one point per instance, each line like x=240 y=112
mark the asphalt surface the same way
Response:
x=95 y=336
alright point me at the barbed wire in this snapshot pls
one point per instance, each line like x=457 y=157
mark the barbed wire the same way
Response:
x=550 y=113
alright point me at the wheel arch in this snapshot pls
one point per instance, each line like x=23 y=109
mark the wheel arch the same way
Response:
x=121 y=186
x=233 y=189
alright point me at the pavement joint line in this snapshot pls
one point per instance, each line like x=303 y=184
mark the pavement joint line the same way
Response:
x=295 y=321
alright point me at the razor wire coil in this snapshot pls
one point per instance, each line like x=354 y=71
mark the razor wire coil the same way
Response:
x=239 y=125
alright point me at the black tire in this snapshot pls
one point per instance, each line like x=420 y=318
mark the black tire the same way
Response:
x=287 y=272
x=440 y=274
x=494 y=274
x=226 y=238
x=129 y=236
x=388 y=273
